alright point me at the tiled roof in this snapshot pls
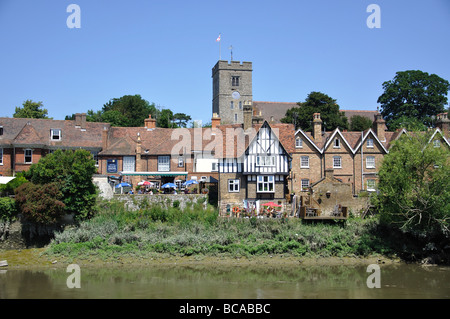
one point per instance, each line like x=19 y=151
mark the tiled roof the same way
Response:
x=24 y=131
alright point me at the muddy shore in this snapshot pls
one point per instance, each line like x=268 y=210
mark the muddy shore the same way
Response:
x=35 y=258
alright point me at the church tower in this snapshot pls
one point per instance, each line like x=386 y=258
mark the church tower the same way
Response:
x=232 y=87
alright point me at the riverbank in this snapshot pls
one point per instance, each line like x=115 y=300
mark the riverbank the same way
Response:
x=38 y=258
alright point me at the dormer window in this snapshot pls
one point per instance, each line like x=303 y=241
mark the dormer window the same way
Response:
x=370 y=143
x=436 y=143
x=298 y=142
x=55 y=134
x=337 y=143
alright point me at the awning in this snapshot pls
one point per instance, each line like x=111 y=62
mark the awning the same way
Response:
x=154 y=173
x=6 y=179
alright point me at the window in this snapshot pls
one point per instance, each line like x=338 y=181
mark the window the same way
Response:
x=213 y=167
x=240 y=105
x=370 y=162
x=265 y=184
x=1 y=156
x=304 y=162
x=337 y=143
x=337 y=162
x=55 y=134
x=95 y=157
x=265 y=160
x=1 y=130
x=371 y=184
x=233 y=185
x=436 y=143
x=298 y=142
x=180 y=161
x=370 y=143
x=28 y=156
x=163 y=163
x=234 y=81
x=235 y=117
x=305 y=184
x=129 y=163
x=231 y=105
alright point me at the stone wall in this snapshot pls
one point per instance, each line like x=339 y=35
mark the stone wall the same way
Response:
x=165 y=200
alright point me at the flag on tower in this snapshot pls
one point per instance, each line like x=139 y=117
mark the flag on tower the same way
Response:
x=218 y=38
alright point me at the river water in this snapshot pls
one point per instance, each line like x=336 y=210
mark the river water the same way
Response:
x=401 y=281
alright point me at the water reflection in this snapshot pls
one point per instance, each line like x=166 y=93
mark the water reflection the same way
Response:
x=176 y=282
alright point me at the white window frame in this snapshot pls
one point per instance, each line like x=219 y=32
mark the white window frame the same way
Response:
x=233 y=185
x=304 y=161
x=180 y=161
x=95 y=157
x=265 y=184
x=25 y=156
x=370 y=143
x=371 y=185
x=126 y=164
x=265 y=160
x=337 y=143
x=52 y=134
x=164 y=163
x=436 y=143
x=298 y=142
x=214 y=167
x=304 y=184
x=370 y=162
x=335 y=163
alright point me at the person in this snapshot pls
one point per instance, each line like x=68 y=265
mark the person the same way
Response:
x=130 y=192
x=151 y=192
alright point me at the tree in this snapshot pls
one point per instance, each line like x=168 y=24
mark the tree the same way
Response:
x=165 y=119
x=72 y=172
x=182 y=119
x=413 y=94
x=408 y=123
x=316 y=102
x=414 y=192
x=40 y=204
x=31 y=109
x=360 y=123
x=126 y=111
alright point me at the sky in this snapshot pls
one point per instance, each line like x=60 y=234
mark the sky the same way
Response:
x=165 y=50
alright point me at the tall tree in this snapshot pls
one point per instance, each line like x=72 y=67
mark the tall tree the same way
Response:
x=31 y=109
x=165 y=119
x=360 y=123
x=413 y=94
x=316 y=102
x=181 y=119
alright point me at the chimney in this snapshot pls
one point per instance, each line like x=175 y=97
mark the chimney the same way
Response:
x=443 y=123
x=248 y=115
x=104 y=138
x=150 y=123
x=380 y=126
x=215 y=121
x=83 y=121
x=78 y=120
x=317 y=128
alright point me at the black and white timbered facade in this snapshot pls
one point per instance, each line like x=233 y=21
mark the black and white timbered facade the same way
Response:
x=259 y=174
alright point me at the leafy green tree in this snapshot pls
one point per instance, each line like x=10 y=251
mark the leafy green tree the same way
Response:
x=414 y=188
x=413 y=94
x=72 y=172
x=8 y=208
x=181 y=119
x=40 y=204
x=316 y=102
x=165 y=119
x=31 y=109
x=8 y=188
x=126 y=111
x=408 y=123
x=360 y=123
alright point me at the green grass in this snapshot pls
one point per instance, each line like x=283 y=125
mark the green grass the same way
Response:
x=195 y=230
